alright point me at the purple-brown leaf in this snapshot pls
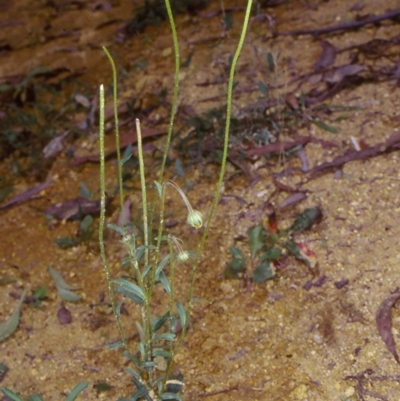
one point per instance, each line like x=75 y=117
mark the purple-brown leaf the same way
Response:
x=384 y=323
x=64 y=315
x=74 y=208
x=327 y=56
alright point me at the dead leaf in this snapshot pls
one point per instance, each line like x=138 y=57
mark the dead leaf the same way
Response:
x=55 y=146
x=336 y=76
x=125 y=140
x=392 y=143
x=27 y=195
x=292 y=200
x=75 y=208
x=384 y=323
x=64 y=315
x=327 y=56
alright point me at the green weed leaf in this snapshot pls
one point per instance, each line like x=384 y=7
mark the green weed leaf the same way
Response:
x=255 y=239
x=85 y=191
x=263 y=88
x=165 y=282
x=59 y=280
x=10 y=325
x=67 y=242
x=325 y=126
x=306 y=220
x=127 y=154
x=165 y=337
x=160 y=321
x=116 y=345
x=11 y=395
x=63 y=288
x=35 y=397
x=161 y=352
x=141 y=392
x=272 y=254
x=130 y=287
x=76 y=391
x=263 y=272
x=171 y=396
x=67 y=295
x=129 y=294
x=86 y=223
x=116 y=228
x=102 y=387
x=159 y=188
x=238 y=262
x=182 y=313
x=162 y=264
x=133 y=373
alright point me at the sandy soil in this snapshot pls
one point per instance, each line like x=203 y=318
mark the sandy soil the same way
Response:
x=273 y=341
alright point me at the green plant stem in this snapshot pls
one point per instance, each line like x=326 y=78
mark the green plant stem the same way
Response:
x=159 y=237
x=145 y=309
x=117 y=144
x=223 y=161
x=102 y=219
x=176 y=88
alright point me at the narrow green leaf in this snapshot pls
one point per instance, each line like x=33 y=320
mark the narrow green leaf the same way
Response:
x=142 y=351
x=129 y=295
x=142 y=392
x=180 y=172
x=131 y=287
x=160 y=321
x=159 y=188
x=11 y=395
x=182 y=313
x=10 y=325
x=59 y=280
x=161 y=352
x=325 y=126
x=67 y=295
x=127 y=154
x=133 y=373
x=150 y=365
x=85 y=191
x=139 y=252
x=271 y=62
x=162 y=264
x=35 y=397
x=116 y=228
x=164 y=337
x=146 y=270
x=171 y=396
x=118 y=344
x=165 y=282
x=76 y=391
x=133 y=358
x=263 y=88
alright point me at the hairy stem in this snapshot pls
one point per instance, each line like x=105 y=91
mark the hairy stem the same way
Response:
x=102 y=219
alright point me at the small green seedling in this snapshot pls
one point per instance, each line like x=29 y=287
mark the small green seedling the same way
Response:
x=268 y=246
x=84 y=235
x=36 y=397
